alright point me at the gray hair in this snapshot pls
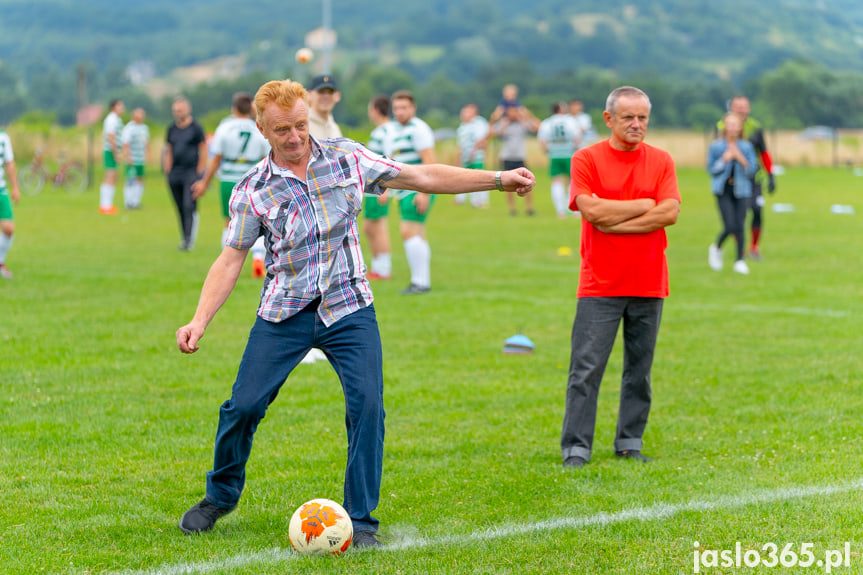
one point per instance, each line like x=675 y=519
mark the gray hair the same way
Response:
x=611 y=101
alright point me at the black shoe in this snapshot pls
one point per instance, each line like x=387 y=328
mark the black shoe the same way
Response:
x=574 y=461
x=531 y=213
x=633 y=454
x=366 y=539
x=202 y=517
x=414 y=289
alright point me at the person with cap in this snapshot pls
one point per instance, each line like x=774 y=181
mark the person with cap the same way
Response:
x=323 y=97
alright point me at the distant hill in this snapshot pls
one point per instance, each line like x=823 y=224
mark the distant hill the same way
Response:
x=686 y=39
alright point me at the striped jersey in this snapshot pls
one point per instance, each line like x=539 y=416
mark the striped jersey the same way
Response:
x=380 y=140
x=6 y=156
x=113 y=124
x=467 y=135
x=136 y=136
x=240 y=144
x=560 y=133
x=409 y=139
x=310 y=229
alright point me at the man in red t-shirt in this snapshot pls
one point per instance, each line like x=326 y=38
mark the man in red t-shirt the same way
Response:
x=627 y=194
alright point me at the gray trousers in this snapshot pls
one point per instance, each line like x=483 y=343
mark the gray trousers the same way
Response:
x=593 y=333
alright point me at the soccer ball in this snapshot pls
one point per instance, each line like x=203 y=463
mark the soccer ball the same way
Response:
x=304 y=55
x=321 y=527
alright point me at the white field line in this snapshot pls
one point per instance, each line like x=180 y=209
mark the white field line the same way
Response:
x=777 y=310
x=652 y=513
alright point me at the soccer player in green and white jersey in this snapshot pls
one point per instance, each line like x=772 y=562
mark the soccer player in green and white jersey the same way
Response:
x=7 y=197
x=413 y=143
x=112 y=127
x=472 y=138
x=376 y=208
x=135 y=137
x=559 y=135
x=237 y=146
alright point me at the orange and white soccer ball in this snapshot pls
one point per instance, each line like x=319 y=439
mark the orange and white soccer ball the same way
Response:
x=321 y=527
x=304 y=55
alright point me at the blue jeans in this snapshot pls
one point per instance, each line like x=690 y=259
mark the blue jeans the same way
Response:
x=353 y=346
x=593 y=331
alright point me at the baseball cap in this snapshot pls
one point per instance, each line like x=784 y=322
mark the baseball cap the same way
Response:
x=321 y=82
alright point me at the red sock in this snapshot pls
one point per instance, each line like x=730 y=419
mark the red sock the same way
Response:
x=756 y=233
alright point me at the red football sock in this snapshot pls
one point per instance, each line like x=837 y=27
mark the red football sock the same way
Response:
x=756 y=233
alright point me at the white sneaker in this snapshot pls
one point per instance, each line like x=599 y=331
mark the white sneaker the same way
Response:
x=714 y=257
x=741 y=267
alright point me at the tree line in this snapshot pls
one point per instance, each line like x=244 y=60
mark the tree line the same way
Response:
x=793 y=95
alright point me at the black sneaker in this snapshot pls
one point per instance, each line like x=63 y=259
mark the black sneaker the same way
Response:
x=414 y=289
x=366 y=539
x=633 y=454
x=202 y=517
x=574 y=461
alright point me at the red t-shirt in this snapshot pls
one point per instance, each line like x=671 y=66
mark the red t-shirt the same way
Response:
x=623 y=264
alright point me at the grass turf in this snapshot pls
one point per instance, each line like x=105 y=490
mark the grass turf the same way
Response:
x=106 y=430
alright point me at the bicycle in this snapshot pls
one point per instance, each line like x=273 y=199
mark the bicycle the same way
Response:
x=70 y=175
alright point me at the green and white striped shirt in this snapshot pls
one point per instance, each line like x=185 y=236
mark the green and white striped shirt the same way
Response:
x=559 y=132
x=467 y=135
x=113 y=124
x=6 y=156
x=408 y=140
x=136 y=136
x=241 y=146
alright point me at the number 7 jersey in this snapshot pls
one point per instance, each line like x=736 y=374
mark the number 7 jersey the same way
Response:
x=241 y=146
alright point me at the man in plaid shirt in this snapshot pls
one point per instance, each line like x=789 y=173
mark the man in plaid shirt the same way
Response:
x=304 y=199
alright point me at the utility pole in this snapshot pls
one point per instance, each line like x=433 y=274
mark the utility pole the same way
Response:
x=326 y=66
x=82 y=103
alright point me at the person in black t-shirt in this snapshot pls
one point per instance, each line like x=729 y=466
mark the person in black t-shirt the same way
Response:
x=184 y=161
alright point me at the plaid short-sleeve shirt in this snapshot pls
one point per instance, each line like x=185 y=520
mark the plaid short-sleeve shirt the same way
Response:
x=309 y=224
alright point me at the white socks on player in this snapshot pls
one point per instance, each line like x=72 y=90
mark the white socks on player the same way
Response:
x=5 y=245
x=558 y=198
x=106 y=196
x=479 y=199
x=133 y=192
x=418 y=253
x=382 y=264
x=196 y=220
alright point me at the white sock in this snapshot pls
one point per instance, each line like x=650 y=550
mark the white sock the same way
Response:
x=138 y=192
x=106 y=196
x=128 y=193
x=479 y=199
x=258 y=249
x=382 y=264
x=225 y=237
x=558 y=198
x=195 y=221
x=418 y=253
x=459 y=198
x=5 y=245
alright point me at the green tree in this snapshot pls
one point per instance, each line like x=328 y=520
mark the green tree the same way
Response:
x=12 y=101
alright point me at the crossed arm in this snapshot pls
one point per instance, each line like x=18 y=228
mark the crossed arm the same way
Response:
x=639 y=216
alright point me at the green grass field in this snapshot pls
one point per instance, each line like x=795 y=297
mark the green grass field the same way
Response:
x=106 y=430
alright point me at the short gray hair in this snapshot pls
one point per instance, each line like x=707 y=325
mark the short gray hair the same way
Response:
x=611 y=101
